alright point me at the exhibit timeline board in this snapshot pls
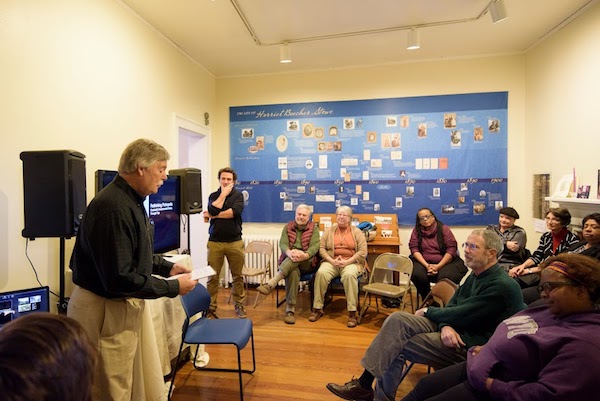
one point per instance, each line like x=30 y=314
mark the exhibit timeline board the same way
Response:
x=447 y=152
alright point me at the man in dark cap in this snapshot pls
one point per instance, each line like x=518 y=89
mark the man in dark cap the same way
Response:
x=513 y=238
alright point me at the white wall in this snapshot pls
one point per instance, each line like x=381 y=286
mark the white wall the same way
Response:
x=554 y=93
x=563 y=104
x=403 y=80
x=84 y=75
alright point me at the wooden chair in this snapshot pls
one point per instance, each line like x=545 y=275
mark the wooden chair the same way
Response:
x=442 y=292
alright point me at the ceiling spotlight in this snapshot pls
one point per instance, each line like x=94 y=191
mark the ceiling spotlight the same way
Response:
x=498 y=11
x=413 y=40
x=285 y=53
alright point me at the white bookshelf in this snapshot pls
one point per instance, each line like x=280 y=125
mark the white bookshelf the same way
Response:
x=578 y=207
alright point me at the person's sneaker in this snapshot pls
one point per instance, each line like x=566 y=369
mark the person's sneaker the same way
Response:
x=289 y=317
x=265 y=289
x=315 y=315
x=210 y=314
x=351 y=391
x=352 y=321
x=240 y=311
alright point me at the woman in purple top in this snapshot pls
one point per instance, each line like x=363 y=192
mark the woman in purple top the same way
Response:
x=543 y=353
x=434 y=252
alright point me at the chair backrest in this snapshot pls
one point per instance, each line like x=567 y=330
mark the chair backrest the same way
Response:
x=387 y=263
x=258 y=254
x=195 y=301
x=444 y=290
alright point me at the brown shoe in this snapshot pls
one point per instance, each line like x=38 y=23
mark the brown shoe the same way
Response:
x=352 y=321
x=351 y=391
x=240 y=311
x=315 y=315
x=289 y=317
x=265 y=289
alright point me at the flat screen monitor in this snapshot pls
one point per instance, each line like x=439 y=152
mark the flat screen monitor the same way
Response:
x=14 y=304
x=163 y=209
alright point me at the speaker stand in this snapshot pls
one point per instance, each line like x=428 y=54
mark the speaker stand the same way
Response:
x=62 y=301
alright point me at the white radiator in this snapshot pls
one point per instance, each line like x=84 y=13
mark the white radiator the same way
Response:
x=254 y=260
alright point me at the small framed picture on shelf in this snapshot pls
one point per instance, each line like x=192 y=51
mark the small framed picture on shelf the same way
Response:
x=583 y=191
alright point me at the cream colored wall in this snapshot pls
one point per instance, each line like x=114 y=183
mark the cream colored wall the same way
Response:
x=562 y=108
x=405 y=80
x=89 y=76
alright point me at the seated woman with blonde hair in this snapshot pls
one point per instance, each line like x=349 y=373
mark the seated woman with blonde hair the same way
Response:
x=343 y=250
x=538 y=353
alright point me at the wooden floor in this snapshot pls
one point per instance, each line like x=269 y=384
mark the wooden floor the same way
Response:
x=293 y=362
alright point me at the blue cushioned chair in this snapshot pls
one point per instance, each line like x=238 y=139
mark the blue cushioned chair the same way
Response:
x=213 y=331
x=310 y=277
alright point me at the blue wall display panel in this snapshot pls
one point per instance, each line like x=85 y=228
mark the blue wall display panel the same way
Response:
x=448 y=153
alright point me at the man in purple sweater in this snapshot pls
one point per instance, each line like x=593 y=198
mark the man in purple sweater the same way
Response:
x=436 y=336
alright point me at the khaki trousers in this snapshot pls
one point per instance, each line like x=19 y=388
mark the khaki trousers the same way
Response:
x=128 y=367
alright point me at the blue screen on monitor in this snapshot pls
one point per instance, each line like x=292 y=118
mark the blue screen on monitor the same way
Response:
x=163 y=209
x=14 y=304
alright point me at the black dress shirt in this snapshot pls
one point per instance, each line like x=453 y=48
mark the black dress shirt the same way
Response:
x=113 y=255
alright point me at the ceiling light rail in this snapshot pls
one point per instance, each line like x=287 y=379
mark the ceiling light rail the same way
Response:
x=257 y=40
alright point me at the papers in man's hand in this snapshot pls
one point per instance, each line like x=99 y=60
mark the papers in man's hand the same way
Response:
x=197 y=274
x=205 y=271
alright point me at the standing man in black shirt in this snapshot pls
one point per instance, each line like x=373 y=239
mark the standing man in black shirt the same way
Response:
x=225 y=208
x=113 y=266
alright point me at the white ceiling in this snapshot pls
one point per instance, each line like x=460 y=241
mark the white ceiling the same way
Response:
x=217 y=33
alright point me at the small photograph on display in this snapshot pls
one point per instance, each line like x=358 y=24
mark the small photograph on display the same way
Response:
x=478 y=208
x=398 y=202
x=260 y=142
x=282 y=143
x=376 y=207
x=450 y=120
x=395 y=140
x=461 y=199
x=319 y=132
x=247 y=132
x=422 y=130
x=410 y=191
x=448 y=209
x=322 y=146
x=464 y=186
x=293 y=125
x=493 y=125
x=436 y=192
x=498 y=205
x=371 y=137
x=301 y=189
x=455 y=138
x=391 y=121
x=348 y=123
x=337 y=146
x=330 y=146
x=333 y=131
x=404 y=122
x=478 y=134
x=307 y=130
x=402 y=173
x=482 y=193
x=386 y=141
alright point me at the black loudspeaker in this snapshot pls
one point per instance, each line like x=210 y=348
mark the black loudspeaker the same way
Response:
x=54 y=192
x=191 y=189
